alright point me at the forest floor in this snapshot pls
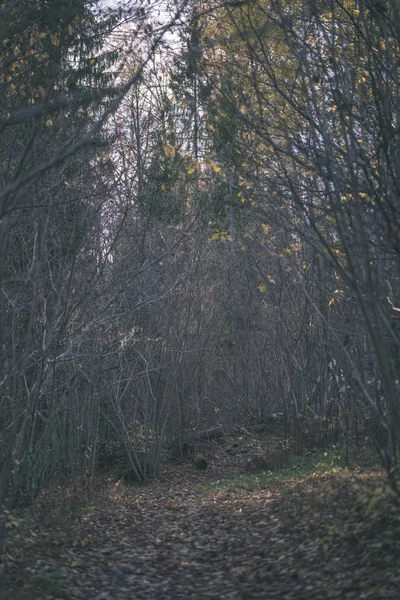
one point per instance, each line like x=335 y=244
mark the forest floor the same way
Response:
x=315 y=531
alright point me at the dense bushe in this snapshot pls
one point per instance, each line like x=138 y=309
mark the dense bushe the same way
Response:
x=199 y=236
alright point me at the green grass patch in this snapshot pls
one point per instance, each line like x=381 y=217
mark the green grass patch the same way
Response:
x=316 y=464
x=17 y=587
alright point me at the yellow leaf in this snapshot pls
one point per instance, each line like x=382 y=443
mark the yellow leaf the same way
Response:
x=222 y=235
x=77 y=563
x=49 y=123
x=163 y=186
x=216 y=168
x=262 y=287
x=191 y=169
x=169 y=150
x=331 y=301
x=266 y=228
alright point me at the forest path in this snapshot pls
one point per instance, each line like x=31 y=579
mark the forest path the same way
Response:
x=304 y=538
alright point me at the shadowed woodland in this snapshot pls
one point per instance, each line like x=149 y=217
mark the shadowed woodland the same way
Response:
x=199 y=299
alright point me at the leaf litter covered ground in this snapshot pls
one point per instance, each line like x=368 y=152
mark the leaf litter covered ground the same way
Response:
x=308 y=532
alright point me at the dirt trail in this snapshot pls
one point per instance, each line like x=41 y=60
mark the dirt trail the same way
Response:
x=172 y=541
